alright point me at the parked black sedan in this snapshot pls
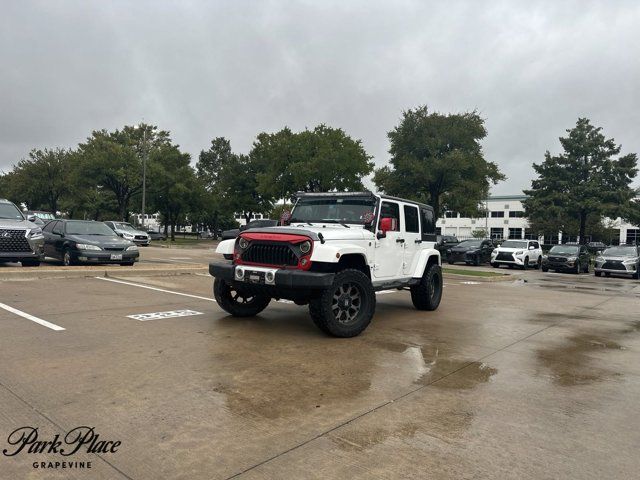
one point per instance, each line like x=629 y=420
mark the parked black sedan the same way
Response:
x=74 y=241
x=567 y=258
x=471 y=252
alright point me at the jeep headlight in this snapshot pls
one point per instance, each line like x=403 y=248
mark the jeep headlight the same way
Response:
x=86 y=246
x=305 y=246
x=132 y=248
x=243 y=243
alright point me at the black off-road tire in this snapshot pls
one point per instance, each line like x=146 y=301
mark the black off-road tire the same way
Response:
x=427 y=294
x=30 y=263
x=235 y=303
x=333 y=316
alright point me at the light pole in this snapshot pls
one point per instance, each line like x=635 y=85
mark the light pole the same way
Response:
x=144 y=172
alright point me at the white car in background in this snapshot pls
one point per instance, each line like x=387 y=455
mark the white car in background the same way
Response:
x=520 y=253
x=128 y=232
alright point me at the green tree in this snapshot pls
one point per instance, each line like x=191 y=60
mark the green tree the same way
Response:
x=114 y=160
x=41 y=180
x=587 y=181
x=438 y=159
x=318 y=160
x=231 y=180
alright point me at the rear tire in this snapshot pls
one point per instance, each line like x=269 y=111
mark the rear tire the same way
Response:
x=451 y=262
x=545 y=269
x=346 y=308
x=236 y=303
x=495 y=265
x=427 y=294
x=30 y=263
x=597 y=274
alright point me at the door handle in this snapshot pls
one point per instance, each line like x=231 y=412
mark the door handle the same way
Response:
x=417 y=241
x=399 y=240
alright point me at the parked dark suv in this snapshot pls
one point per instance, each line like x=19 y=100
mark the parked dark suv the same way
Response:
x=20 y=238
x=471 y=252
x=567 y=258
x=234 y=232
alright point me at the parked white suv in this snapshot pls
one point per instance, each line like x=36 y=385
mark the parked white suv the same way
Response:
x=519 y=253
x=128 y=232
x=333 y=252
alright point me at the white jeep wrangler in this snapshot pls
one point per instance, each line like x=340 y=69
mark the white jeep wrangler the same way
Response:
x=333 y=252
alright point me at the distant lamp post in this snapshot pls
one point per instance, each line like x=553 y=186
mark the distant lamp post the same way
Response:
x=144 y=171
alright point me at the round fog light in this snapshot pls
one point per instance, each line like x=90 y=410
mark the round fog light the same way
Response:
x=270 y=277
x=239 y=273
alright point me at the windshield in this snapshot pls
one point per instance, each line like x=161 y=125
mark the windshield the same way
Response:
x=514 y=244
x=88 y=228
x=564 y=249
x=125 y=226
x=44 y=215
x=621 y=252
x=470 y=243
x=9 y=210
x=333 y=210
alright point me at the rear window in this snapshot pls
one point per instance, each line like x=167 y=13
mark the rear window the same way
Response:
x=411 y=219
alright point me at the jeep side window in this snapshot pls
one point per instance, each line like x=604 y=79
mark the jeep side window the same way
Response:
x=411 y=219
x=429 y=226
x=57 y=229
x=390 y=210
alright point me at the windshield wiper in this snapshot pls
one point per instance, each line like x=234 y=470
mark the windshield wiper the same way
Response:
x=344 y=225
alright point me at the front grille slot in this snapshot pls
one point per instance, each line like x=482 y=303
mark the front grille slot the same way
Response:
x=613 y=265
x=13 y=241
x=114 y=249
x=558 y=259
x=270 y=254
x=504 y=256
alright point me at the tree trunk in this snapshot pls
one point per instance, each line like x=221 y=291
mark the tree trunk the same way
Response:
x=583 y=224
x=247 y=216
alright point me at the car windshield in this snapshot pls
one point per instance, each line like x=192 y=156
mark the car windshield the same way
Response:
x=125 y=226
x=333 y=210
x=621 y=252
x=78 y=227
x=45 y=215
x=470 y=243
x=564 y=249
x=8 y=210
x=514 y=244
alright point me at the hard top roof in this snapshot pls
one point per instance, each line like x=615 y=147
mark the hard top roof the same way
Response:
x=365 y=193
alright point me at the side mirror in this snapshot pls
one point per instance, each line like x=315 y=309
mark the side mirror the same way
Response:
x=242 y=228
x=531 y=247
x=31 y=218
x=120 y=234
x=386 y=225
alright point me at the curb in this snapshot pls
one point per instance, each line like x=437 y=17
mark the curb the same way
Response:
x=37 y=273
x=502 y=278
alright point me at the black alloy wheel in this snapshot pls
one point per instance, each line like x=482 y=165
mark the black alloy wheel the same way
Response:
x=237 y=302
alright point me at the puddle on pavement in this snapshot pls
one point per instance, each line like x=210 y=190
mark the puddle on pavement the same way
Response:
x=570 y=364
x=632 y=327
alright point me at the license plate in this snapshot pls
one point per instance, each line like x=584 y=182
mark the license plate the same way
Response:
x=116 y=256
x=254 y=277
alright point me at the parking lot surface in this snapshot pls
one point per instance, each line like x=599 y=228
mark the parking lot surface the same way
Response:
x=535 y=377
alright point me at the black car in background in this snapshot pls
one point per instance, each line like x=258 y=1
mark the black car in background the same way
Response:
x=233 y=233
x=86 y=241
x=444 y=243
x=471 y=252
x=567 y=258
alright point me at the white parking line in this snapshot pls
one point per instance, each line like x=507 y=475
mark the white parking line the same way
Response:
x=39 y=321
x=145 y=317
x=155 y=288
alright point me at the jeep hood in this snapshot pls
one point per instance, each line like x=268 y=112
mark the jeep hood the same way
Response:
x=328 y=232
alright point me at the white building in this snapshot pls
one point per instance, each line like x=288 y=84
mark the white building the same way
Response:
x=505 y=219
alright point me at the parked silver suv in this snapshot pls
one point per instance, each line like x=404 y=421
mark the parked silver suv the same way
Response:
x=21 y=240
x=624 y=259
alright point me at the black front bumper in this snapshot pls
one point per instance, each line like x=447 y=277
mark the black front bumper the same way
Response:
x=286 y=279
x=559 y=266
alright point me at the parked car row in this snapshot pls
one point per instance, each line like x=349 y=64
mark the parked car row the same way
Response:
x=570 y=257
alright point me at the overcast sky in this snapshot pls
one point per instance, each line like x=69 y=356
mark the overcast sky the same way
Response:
x=236 y=68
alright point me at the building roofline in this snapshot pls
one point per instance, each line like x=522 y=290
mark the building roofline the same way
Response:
x=508 y=197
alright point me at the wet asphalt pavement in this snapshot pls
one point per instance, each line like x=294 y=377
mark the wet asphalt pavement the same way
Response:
x=538 y=377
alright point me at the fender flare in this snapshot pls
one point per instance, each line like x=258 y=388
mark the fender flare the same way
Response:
x=423 y=260
x=226 y=246
x=333 y=253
